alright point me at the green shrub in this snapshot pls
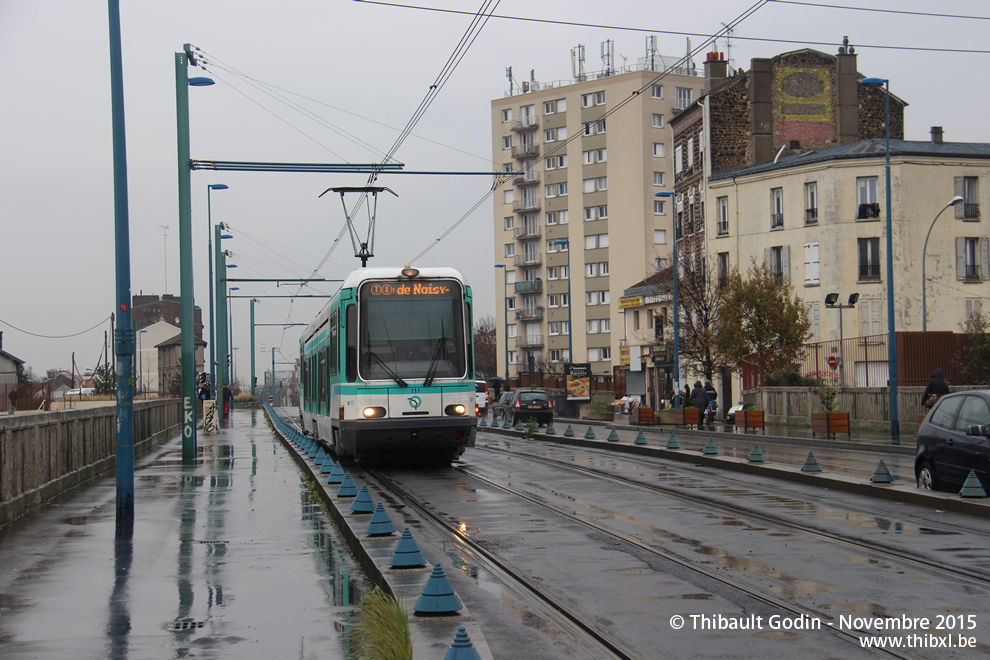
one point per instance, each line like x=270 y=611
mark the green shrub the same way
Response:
x=382 y=629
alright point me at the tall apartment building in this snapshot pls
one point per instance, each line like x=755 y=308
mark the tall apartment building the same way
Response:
x=578 y=221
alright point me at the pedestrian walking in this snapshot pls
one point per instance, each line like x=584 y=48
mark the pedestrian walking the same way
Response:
x=12 y=396
x=699 y=397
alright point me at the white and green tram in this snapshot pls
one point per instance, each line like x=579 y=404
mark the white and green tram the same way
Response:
x=387 y=368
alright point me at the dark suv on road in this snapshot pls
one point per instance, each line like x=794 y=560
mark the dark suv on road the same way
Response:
x=524 y=404
x=954 y=439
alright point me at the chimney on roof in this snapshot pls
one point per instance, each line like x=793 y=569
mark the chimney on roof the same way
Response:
x=937 y=134
x=716 y=67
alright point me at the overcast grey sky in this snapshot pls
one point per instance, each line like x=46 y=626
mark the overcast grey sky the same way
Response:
x=363 y=69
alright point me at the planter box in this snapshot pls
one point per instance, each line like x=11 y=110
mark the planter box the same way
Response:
x=687 y=416
x=830 y=423
x=750 y=419
x=642 y=416
x=602 y=417
x=666 y=417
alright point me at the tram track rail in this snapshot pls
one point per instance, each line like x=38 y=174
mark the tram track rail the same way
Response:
x=818 y=534
x=615 y=647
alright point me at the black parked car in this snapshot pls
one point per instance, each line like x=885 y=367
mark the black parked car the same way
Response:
x=498 y=407
x=954 y=439
x=524 y=404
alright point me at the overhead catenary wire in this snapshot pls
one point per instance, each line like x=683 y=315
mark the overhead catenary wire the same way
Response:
x=74 y=334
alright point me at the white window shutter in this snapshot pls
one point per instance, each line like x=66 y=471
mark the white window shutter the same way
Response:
x=960 y=258
x=958 y=184
x=785 y=263
x=984 y=257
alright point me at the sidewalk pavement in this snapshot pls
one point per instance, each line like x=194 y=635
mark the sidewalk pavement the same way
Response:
x=228 y=558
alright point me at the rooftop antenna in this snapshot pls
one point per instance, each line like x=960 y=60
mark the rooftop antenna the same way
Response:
x=608 y=57
x=688 y=64
x=577 y=63
x=165 y=249
x=365 y=249
x=651 y=51
x=728 y=44
x=508 y=74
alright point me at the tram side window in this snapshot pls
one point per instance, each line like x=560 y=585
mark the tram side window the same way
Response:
x=351 y=339
x=470 y=337
x=323 y=375
x=334 y=346
x=305 y=385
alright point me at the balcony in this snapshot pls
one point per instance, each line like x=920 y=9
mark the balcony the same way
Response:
x=528 y=259
x=529 y=341
x=869 y=272
x=528 y=178
x=972 y=273
x=811 y=217
x=536 y=286
x=530 y=123
x=526 y=233
x=526 y=204
x=971 y=210
x=529 y=314
x=776 y=221
x=526 y=151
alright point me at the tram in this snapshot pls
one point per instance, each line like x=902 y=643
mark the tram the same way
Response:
x=387 y=367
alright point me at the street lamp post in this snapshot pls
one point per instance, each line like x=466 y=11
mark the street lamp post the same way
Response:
x=230 y=330
x=505 y=313
x=830 y=302
x=209 y=226
x=570 y=331
x=677 y=363
x=186 y=317
x=924 y=282
x=253 y=351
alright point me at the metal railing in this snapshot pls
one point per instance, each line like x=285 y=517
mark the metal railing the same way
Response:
x=869 y=271
x=776 y=220
x=528 y=259
x=525 y=150
x=528 y=341
x=972 y=272
x=527 y=123
x=811 y=217
x=527 y=232
x=534 y=286
x=529 y=314
x=971 y=210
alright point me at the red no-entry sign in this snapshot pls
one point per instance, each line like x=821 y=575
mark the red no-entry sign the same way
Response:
x=271 y=399
x=832 y=362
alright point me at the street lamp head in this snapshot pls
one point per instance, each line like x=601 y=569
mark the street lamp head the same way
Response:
x=663 y=193
x=874 y=82
x=200 y=81
x=830 y=299
x=235 y=288
x=226 y=235
x=500 y=265
x=853 y=299
x=561 y=241
x=218 y=186
x=958 y=199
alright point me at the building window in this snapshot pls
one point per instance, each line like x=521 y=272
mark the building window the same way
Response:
x=659 y=207
x=973 y=306
x=866 y=197
x=967 y=188
x=594 y=127
x=811 y=267
x=869 y=258
x=657 y=120
x=972 y=255
x=811 y=203
x=511 y=330
x=814 y=315
x=690 y=152
x=507 y=116
x=659 y=236
x=510 y=249
x=870 y=317
x=656 y=91
x=556 y=190
x=596 y=297
x=555 y=134
x=779 y=260
x=507 y=142
x=682 y=97
x=553 y=272
x=593 y=241
x=553 y=107
x=658 y=179
x=513 y=357
x=555 y=355
x=658 y=149
x=722 y=226
x=557 y=217
x=509 y=196
x=509 y=221
x=776 y=208
x=556 y=162
x=593 y=156
x=553 y=328
x=723 y=269
x=510 y=304
x=678 y=166
x=592 y=327
x=596 y=184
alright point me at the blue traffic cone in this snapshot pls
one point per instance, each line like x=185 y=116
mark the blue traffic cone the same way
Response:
x=640 y=439
x=321 y=456
x=756 y=455
x=811 y=463
x=972 y=486
x=589 y=434
x=347 y=487
x=314 y=449
x=550 y=430
x=462 y=648
x=710 y=446
x=406 y=554
x=380 y=524
x=568 y=432
x=613 y=436
x=881 y=475
x=438 y=596
x=672 y=442
x=519 y=426
x=328 y=464
x=362 y=503
x=336 y=474
x=494 y=422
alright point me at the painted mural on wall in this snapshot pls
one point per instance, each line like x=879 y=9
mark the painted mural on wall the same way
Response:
x=804 y=106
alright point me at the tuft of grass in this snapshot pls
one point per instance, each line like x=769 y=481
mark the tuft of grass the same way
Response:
x=381 y=631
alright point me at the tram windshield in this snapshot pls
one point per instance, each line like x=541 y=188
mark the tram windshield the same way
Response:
x=412 y=330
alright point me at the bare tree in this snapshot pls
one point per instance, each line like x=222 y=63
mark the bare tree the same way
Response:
x=485 y=347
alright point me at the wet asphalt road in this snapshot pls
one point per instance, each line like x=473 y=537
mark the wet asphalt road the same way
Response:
x=228 y=559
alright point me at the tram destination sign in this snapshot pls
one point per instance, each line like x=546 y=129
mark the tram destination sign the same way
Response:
x=430 y=288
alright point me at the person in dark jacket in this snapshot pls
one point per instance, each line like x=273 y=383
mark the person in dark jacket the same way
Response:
x=712 y=404
x=699 y=397
x=936 y=386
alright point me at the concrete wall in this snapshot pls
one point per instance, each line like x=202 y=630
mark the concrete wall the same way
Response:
x=44 y=455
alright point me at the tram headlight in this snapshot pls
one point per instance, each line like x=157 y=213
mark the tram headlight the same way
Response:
x=456 y=410
x=373 y=412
